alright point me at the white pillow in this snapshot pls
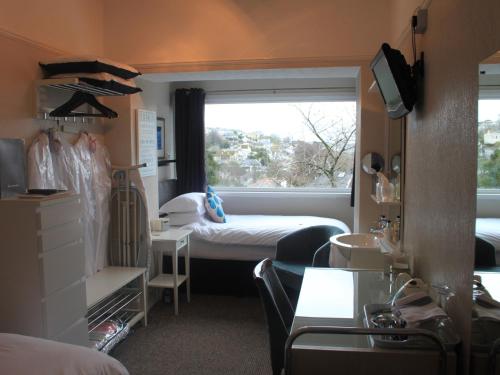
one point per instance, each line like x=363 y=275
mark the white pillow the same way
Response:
x=190 y=202
x=184 y=218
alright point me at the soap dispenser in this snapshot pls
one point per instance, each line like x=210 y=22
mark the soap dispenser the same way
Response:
x=384 y=190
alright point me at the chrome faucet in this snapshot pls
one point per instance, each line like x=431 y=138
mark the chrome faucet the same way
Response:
x=379 y=225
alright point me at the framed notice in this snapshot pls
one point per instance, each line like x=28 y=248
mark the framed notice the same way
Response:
x=147 y=142
x=160 y=134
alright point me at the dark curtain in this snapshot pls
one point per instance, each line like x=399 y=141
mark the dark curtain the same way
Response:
x=190 y=140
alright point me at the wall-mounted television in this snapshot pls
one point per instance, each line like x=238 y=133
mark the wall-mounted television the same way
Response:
x=395 y=81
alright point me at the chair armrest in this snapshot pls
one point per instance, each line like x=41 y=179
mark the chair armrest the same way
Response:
x=300 y=246
x=322 y=256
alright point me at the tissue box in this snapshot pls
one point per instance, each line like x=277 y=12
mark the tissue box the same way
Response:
x=165 y=225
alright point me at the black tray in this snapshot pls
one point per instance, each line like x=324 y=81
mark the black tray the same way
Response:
x=443 y=327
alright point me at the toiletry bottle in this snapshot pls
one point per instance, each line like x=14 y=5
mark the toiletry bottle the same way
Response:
x=397 y=188
x=387 y=230
x=382 y=223
x=396 y=229
x=384 y=189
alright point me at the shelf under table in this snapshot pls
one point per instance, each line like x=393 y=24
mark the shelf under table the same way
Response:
x=104 y=283
x=166 y=281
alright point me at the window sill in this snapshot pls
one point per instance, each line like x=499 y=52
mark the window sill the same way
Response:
x=283 y=193
x=488 y=194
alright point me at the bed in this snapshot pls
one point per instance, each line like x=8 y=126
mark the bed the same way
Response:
x=248 y=237
x=25 y=355
x=223 y=255
x=488 y=229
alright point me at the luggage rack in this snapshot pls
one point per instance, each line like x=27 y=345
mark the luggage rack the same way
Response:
x=51 y=92
x=113 y=306
x=75 y=84
x=116 y=294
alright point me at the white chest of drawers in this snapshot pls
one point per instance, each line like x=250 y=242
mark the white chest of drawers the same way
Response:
x=42 y=275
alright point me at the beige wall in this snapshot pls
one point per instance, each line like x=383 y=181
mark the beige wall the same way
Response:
x=223 y=30
x=19 y=67
x=20 y=70
x=441 y=156
x=69 y=26
x=121 y=133
x=154 y=98
x=370 y=137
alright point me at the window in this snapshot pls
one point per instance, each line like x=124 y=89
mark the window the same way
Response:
x=280 y=145
x=488 y=166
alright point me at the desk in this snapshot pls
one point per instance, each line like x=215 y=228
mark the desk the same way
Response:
x=335 y=297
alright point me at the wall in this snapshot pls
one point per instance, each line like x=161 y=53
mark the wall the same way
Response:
x=441 y=155
x=370 y=132
x=31 y=31
x=196 y=31
x=121 y=133
x=19 y=64
x=74 y=27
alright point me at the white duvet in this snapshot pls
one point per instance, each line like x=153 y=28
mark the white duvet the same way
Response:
x=257 y=230
x=488 y=229
x=25 y=355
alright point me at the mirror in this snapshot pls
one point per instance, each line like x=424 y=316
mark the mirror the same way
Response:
x=396 y=164
x=486 y=312
x=372 y=163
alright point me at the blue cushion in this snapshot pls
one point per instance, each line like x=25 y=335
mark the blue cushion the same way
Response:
x=213 y=204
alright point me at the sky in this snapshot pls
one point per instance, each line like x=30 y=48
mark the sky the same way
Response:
x=489 y=109
x=282 y=119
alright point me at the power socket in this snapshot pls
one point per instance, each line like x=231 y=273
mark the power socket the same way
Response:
x=419 y=22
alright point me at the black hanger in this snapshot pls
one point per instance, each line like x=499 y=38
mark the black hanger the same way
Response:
x=79 y=98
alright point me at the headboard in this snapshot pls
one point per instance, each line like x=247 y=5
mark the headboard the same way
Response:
x=166 y=191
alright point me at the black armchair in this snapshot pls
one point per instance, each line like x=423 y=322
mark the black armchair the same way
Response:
x=296 y=251
x=484 y=255
x=279 y=311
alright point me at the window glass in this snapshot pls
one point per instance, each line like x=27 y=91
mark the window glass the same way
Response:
x=280 y=145
x=488 y=171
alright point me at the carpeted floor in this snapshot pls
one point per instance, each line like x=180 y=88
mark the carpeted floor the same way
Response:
x=211 y=335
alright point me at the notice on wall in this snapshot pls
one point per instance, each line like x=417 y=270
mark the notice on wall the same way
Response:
x=147 y=142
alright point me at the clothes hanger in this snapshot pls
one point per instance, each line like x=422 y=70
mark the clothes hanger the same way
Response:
x=79 y=98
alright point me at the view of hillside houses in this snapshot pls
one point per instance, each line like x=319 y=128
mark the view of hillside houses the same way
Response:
x=489 y=154
x=280 y=145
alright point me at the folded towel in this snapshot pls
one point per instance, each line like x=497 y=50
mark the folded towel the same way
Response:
x=416 y=308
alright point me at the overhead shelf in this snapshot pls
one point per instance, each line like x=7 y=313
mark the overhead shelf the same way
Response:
x=388 y=203
x=75 y=84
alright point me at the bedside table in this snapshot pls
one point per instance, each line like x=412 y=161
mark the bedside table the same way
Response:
x=172 y=242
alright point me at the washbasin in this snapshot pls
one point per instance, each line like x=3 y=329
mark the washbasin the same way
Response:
x=356 y=240
x=356 y=250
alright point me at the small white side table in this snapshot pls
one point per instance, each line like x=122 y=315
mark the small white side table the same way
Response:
x=171 y=242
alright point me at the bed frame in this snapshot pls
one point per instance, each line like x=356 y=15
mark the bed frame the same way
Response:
x=211 y=276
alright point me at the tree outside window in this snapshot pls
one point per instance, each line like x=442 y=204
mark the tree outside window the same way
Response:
x=280 y=145
x=488 y=165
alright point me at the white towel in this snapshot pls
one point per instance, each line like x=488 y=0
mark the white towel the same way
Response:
x=416 y=308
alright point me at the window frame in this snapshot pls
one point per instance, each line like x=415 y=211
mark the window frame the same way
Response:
x=487 y=92
x=330 y=94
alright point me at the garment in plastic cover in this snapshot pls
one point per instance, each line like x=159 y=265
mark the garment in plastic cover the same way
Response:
x=101 y=173
x=88 y=200
x=84 y=168
x=40 y=168
x=65 y=163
